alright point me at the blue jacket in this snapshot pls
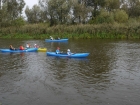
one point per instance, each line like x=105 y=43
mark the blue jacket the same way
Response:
x=57 y=51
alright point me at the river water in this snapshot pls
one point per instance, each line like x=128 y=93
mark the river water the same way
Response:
x=110 y=75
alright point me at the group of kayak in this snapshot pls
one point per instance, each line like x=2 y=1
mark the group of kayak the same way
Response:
x=59 y=53
x=36 y=48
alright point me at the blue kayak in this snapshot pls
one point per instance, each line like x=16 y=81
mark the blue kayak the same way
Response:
x=17 y=50
x=74 y=55
x=56 y=40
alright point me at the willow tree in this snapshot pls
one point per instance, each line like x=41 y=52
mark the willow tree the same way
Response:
x=10 y=11
x=15 y=7
x=111 y=5
x=3 y=12
x=79 y=11
x=21 y=5
x=96 y=6
x=55 y=10
x=132 y=7
x=4 y=16
x=34 y=15
x=0 y=4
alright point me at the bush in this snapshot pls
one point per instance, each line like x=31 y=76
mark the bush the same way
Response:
x=120 y=16
x=105 y=17
x=18 y=22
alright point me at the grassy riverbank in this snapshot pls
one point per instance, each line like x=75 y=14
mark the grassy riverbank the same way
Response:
x=43 y=31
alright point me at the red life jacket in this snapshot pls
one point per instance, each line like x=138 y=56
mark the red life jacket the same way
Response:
x=21 y=48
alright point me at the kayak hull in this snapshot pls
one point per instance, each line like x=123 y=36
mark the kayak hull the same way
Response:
x=42 y=49
x=75 y=55
x=18 y=51
x=56 y=40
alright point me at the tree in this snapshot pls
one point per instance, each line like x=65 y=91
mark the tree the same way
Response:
x=132 y=7
x=96 y=5
x=10 y=11
x=112 y=4
x=79 y=11
x=20 y=6
x=13 y=8
x=34 y=15
x=55 y=10
x=0 y=4
x=4 y=16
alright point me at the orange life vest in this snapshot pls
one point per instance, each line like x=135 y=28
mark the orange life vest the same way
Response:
x=21 y=48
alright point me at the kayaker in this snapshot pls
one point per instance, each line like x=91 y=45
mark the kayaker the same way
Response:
x=36 y=46
x=28 y=45
x=11 y=47
x=21 y=47
x=68 y=52
x=57 y=50
x=58 y=38
x=51 y=37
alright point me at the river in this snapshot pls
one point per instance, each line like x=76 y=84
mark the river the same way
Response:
x=110 y=75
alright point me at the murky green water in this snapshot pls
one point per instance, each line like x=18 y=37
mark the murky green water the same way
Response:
x=110 y=75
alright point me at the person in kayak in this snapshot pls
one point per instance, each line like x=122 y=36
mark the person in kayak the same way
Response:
x=51 y=37
x=36 y=46
x=58 y=50
x=69 y=52
x=11 y=47
x=58 y=38
x=28 y=45
x=21 y=47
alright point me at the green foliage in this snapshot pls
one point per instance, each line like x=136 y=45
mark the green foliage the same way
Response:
x=132 y=8
x=135 y=11
x=18 y=22
x=112 y=4
x=10 y=12
x=57 y=12
x=121 y=16
x=34 y=15
x=91 y=21
x=42 y=31
x=105 y=17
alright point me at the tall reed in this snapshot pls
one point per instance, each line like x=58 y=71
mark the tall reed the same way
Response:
x=42 y=31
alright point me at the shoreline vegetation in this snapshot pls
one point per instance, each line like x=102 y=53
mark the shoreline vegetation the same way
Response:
x=84 y=31
x=73 y=19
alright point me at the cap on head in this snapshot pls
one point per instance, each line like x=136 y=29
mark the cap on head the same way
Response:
x=68 y=50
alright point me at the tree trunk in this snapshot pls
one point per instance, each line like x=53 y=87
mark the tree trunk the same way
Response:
x=0 y=4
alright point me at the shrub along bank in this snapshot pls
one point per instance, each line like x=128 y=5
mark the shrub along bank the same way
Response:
x=43 y=31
